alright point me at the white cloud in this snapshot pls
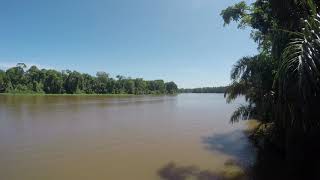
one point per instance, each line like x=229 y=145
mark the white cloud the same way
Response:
x=7 y=65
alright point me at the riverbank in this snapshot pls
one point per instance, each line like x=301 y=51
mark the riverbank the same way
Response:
x=39 y=94
x=106 y=95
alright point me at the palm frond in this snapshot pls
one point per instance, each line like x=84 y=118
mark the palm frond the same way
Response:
x=243 y=112
x=235 y=90
x=299 y=75
x=301 y=60
x=241 y=68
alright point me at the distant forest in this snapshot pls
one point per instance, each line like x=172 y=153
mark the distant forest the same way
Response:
x=19 y=79
x=221 y=89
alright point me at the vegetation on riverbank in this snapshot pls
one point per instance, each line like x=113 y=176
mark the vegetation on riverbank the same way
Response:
x=43 y=94
x=282 y=82
x=221 y=89
x=20 y=80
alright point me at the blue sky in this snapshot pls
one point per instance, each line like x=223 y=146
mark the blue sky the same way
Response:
x=179 y=40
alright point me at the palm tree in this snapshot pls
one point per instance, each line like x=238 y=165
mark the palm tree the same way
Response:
x=252 y=77
x=299 y=77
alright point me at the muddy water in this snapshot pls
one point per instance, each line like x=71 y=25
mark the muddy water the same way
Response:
x=115 y=138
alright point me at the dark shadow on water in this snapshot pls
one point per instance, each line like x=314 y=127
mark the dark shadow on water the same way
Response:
x=268 y=162
x=235 y=144
x=248 y=161
x=172 y=171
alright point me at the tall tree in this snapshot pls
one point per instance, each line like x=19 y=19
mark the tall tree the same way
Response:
x=282 y=83
x=101 y=83
x=74 y=83
x=129 y=86
x=140 y=85
x=53 y=82
x=16 y=76
x=34 y=78
x=171 y=87
x=3 y=81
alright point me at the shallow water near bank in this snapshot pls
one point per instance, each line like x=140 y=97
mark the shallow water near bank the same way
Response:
x=96 y=137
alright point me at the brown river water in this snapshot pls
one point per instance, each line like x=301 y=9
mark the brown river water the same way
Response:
x=116 y=138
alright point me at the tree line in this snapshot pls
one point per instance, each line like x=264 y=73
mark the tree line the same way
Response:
x=221 y=89
x=281 y=83
x=19 y=79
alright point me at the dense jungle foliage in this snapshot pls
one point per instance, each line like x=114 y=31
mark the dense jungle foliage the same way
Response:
x=33 y=80
x=281 y=83
x=221 y=89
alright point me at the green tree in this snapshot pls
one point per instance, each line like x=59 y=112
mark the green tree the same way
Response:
x=101 y=86
x=298 y=78
x=129 y=86
x=88 y=83
x=119 y=84
x=33 y=74
x=111 y=86
x=140 y=86
x=53 y=82
x=281 y=83
x=34 y=79
x=156 y=87
x=253 y=78
x=160 y=86
x=73 y=83
x=3 y=81
x=171 y=87
x=16 y=76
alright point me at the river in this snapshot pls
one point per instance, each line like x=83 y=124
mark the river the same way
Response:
x=116 y=138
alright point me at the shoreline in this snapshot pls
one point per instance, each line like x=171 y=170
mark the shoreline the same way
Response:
x=38 y=94
x=106 y=95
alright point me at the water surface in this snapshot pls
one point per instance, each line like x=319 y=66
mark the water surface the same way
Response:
x=116 y=138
